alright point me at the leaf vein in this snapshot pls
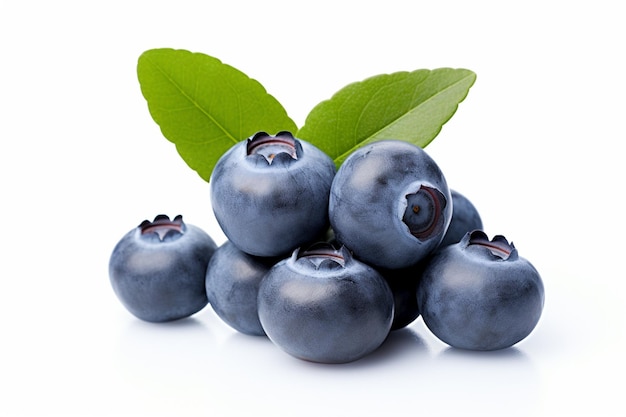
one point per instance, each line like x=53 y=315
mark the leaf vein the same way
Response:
x=358 y=142
x=194 y=103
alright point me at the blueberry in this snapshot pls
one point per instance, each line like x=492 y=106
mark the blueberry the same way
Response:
x=480 y=294
x=322 y=305
x=270 y=193
x=403 y=284
x=465 y=218
x=232 y=283
x=390 y=204
x=158 y=269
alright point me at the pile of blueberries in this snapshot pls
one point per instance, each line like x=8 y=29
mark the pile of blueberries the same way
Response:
x=326 y=262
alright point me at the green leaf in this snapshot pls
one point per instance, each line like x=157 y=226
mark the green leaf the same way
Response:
x=204 y=106
x=409 y=106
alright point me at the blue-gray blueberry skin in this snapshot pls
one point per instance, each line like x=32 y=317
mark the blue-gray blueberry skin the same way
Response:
x=158 y=269
x=270 y=194
x=480 y=294
x=403 y=284
x=232 y=283
x=465 y=218
x=390 y=204
x=321 y=305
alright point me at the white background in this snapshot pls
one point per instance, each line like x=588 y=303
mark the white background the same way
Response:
x=537 y=145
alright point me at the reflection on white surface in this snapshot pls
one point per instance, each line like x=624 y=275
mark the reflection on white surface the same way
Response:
x=237 y=373
x=490 y=383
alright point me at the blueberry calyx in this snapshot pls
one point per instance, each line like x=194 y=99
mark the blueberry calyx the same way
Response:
x=499 y=247
x=322 y=256
x=282 y=148
x=424 y=213
x=163 y=228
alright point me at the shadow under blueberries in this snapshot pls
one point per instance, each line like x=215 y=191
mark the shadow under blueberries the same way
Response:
x=509 y=354
x=187 y=324
x=240 y=345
